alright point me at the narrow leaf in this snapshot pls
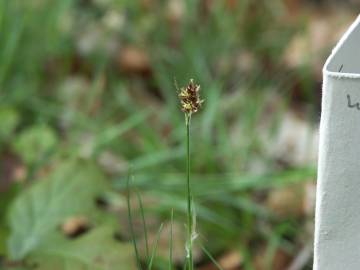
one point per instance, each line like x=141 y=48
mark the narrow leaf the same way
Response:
x=131 y=225
x=171 y=241
x=155 y=247
x=211 y=257
x=144 y=225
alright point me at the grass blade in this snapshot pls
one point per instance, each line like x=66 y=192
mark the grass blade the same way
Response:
x=218 y=266
x=112 y=133
x=185 y=265
x=155 y=246
x=171 y=241
x=131 y=223
x=144 y=226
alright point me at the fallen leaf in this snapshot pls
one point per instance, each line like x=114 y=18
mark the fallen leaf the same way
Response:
x=96 y=250
x=75 y=226
x=37 y=212
x=134 y=60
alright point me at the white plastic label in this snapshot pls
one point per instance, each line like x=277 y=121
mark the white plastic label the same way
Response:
x=337 y=222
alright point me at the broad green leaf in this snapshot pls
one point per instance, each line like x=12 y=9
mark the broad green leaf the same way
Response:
x=5 y=199
x=96 y=250
x=38 y=212
x=3 y=236
x=34 y=143
x=9 y=119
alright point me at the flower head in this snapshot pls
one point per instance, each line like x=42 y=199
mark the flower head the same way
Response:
x=190 y=98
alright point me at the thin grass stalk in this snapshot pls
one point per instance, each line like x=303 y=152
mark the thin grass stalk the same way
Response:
x=190 y=103
x=189 y=250
x=144 y=227
x=171 y=241
x=155 y=247
x=218 y=266
x=185 y=265
x=131 y=225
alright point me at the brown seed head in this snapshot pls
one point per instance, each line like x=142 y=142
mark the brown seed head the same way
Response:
x=190 y=98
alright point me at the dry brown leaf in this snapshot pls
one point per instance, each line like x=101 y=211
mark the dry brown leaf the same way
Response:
x=231 y=260
x=134 y=60
x=287 y=201
x=11 y=170
x=75 y=225
x=175 y=11
x=280 y=261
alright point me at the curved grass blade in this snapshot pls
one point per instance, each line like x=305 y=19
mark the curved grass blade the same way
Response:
x=218 y=266
x=155 y=246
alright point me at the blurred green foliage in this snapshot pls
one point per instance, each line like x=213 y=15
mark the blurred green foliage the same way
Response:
x=35 y=215
x=68 y=91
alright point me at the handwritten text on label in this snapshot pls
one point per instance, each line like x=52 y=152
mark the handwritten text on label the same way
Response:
x=353 y=105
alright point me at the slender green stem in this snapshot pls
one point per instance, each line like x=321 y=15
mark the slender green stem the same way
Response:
x=185 y=266
x=131 y=225
x=155 y=247
x=171 y=264
x=144 y=226
x=218 y=266
x=189 y=247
